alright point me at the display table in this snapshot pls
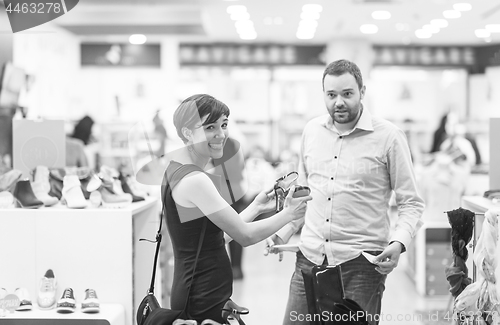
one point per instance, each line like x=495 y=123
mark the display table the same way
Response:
x=110 y=314
x=86 y=248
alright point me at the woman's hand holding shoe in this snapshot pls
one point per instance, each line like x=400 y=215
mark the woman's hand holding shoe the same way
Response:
x=295 y=207
x=265 y=200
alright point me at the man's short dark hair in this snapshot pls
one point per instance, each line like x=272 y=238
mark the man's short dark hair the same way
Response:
x=339 y=67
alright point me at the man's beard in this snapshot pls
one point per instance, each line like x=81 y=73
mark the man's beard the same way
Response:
x=347 y=116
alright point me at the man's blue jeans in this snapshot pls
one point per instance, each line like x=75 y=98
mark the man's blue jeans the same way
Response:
x=362 y=283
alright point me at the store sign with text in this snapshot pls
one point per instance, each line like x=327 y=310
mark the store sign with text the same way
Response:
x=120 y=55
x=460 y=56
x=250 y=54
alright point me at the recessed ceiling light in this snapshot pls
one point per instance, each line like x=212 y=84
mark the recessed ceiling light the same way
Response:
x=236 y=8
x=137 y=39
x=462 y=6
x=241 y=24
x=493 y=28
x=248 y=36
x=451 y=14
x=431 y=28
x=312 y=7
x=309 y=15
x=308 y=24
x=441 y=23
x=381 y=14
x=304 y=35
x=482 y=33
x=368 y=29
x=422 y=33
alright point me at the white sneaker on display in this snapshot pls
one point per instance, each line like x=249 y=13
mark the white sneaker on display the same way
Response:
x=24 y=298
x=47 y=291
x=91 y=303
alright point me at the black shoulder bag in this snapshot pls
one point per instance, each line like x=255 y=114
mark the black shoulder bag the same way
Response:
x=149 y=311
x=326 y=300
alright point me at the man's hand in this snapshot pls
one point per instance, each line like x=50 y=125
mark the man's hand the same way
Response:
x=389 y=258
x=270 y=242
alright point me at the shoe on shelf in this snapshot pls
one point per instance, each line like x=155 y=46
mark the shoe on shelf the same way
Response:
x=111 y=200
x=67 y=303
x=42 y=195
x=47 y=291
x=6 y=200
x=72 y=192
x=127 y=189
x=25 y=198
x=24 y=298
x=91 y=303
x=41 y=175
x=9 y=179
x=94 y=183
x=95 y=199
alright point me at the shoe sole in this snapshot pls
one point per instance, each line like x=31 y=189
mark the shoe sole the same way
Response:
x=24 y=308
x=47 y=308
x=90 y=310
x=19 y=205
x=65 y=310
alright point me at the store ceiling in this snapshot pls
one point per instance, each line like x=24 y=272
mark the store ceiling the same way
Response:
x=207 y=20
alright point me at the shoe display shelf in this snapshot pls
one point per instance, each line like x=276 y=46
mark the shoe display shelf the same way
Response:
x=86 y=248
x=109 y=314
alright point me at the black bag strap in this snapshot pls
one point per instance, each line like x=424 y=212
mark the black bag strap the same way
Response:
x=159 y=238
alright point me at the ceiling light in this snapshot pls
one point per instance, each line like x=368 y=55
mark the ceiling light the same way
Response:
x=308 y=24
x=241 y=24
x=431 y=28
x=441 y=23
x=381 y=14
x=242 y=15
x=462 y=6
x=236 y=8
x=493 y=28
x=312 y=7
x=248 y=36
x=309 y=15
x=451 y=14
x=304 y=35
x=368 y=29
x=482 y=33
x=137 y=39
x=422 y=33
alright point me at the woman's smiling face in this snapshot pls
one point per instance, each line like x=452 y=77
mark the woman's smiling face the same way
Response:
x=209 y=140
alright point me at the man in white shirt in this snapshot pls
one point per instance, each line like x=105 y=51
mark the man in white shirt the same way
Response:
x=352 y=161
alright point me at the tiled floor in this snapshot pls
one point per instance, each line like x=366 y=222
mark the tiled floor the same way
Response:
x=264 y=290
